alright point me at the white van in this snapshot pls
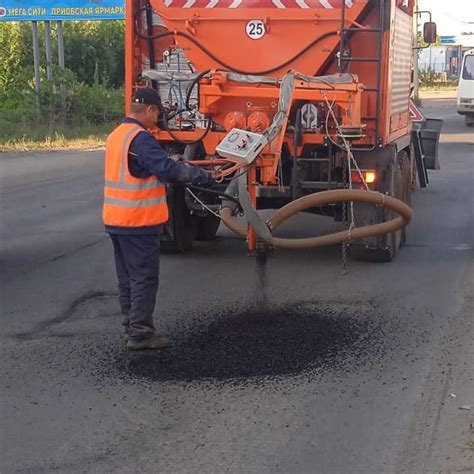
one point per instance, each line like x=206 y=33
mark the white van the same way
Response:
x=466 y=88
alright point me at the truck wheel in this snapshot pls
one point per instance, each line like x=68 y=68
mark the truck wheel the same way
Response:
x=207 y=227
x=180 y=231
x=469 y=120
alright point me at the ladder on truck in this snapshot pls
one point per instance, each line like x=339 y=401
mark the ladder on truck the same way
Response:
x=300 y=186
x=343 y=61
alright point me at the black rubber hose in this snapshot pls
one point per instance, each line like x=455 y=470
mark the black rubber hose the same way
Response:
x=191 y=86
x=184 y=142
x=151 y=46
x=193 y=187
x=267 y=71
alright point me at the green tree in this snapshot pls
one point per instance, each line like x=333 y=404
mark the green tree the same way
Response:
x=95 y=51
x=16 y=42
x=94 y=77
x=422 y=44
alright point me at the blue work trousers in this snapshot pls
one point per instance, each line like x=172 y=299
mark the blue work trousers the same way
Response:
x=137 y=261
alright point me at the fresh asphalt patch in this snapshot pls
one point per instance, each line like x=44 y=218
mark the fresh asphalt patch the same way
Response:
x=261 y=342
x=231 y=344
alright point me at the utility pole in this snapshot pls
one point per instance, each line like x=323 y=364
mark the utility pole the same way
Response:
x=36 y=59
x=49 y=69
x=62 y=86
x=49 y=56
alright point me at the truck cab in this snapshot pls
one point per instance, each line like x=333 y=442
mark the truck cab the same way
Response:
x=465 y=100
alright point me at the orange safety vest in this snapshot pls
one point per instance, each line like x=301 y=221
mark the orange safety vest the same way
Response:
x=130 y=201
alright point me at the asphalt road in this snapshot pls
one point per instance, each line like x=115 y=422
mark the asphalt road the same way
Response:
x=289 y=368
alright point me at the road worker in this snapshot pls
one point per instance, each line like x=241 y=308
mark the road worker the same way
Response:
x=135 y=208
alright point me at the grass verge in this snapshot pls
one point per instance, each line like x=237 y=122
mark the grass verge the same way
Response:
x=438 y=88
x=77 y=138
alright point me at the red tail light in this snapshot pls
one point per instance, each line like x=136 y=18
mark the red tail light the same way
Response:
x=370 y=176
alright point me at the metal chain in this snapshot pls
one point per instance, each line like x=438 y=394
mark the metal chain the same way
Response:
x=345 y=143
x=344 y=219
x=347 y=170
x=345 y=244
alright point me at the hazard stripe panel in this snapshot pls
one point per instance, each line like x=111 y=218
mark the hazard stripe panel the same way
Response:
x=328 y=4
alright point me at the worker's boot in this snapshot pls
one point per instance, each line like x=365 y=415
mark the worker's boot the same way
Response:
x=152 y=342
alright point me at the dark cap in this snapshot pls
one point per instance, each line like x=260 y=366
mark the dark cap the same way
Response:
x=148 y=96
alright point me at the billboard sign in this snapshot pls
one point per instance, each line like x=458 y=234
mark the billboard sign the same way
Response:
x=448 y=39
x=46 y=10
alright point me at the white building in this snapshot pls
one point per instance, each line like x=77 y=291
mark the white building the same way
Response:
x=434 y=58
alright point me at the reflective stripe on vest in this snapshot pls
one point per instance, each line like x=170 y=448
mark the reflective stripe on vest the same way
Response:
x=139 y=203
x=130 y=201
x=134 y=187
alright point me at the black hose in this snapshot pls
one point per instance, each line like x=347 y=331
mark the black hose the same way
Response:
x=185 y=142
x=222 y=63
x=267 y=71
x=193 y=187
x=191 y=86
x=151 y=46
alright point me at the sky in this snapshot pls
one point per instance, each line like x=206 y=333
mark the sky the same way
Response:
x=451 y=16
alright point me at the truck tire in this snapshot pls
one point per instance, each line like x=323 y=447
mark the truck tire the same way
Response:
x=180 y=231
x=207 y=228
x=469 y=120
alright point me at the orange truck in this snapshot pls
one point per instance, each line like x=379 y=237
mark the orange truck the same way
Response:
x=301 y=105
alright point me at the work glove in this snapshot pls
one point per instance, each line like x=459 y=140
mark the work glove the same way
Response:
x=204 y=178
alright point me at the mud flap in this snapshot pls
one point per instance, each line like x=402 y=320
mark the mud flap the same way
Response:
x=419 y=159
x=430 y=131
x=382 y=248
x=373 y=249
